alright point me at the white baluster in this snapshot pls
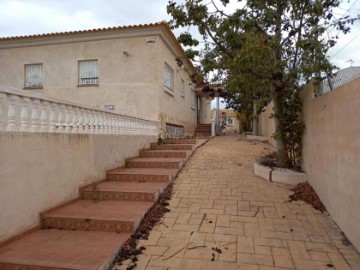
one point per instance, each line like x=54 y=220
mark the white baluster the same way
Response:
x=121 y=125
x=91 y=121
x=68 y=119
x=35 y=115
x=81 y=120
x=53 y=117
x=12 y=125
x=96 y=122
x=75 y=120
x=61 y=118
x=106 y=122
x=44 y=116
x=113 y=124
x=2 y=111
x=24 y=114
x=86 y=121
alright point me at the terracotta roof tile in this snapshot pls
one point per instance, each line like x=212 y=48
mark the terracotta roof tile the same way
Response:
x=105 y=29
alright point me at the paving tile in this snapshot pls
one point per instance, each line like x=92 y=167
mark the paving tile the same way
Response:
x=251 y=220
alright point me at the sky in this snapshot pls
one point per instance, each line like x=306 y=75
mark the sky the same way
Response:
x=27 y=17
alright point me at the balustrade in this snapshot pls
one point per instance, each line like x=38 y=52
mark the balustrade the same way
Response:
x=28 y=112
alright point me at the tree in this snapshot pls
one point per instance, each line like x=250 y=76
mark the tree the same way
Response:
x=264 y=50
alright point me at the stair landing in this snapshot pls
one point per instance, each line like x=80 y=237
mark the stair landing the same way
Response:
x=61 y=249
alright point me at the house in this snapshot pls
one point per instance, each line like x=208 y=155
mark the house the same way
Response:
x=230 y=118
x=138 y=70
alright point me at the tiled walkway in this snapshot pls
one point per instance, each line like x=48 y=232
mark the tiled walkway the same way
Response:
x=224 y=217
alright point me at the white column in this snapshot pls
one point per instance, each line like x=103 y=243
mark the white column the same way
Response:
x=35 y=115
x=11 y=126
x=53 y=117
x=24 y=114
x=81 y=120
x=2 y=111
x=44 y=116
x=75 y=120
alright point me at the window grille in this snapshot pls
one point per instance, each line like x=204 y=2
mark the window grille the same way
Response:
x=33 y=76
x=182 y=88
x=169 y=77
x=88 y=72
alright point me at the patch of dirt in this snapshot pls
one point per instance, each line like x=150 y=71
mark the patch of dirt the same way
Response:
x=306 y=193
x=271 y=160
x=129 y=249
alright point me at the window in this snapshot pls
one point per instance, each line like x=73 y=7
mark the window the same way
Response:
x=88 y=72
x=194 y=100
x=230 y=121
x=33 y=76
x=182 y=88
x=169 y=77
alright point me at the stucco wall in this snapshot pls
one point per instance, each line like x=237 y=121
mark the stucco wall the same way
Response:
x=128 y=82
x=331 y=153
x=266 y=124
x=39 y=171
x=174 y=108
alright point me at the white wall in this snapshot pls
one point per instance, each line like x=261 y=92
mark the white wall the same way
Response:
x=42 y=170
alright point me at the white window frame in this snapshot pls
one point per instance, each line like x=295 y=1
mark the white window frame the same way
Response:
x=33 y=76
x=88 y=71
x=168 y=78
x=230 y=123
x=182 y=88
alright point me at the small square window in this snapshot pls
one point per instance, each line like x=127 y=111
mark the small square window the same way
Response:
x=168 y=77
x=33 y=76
x=230 y=121
x=88 y=72
x=182 y=88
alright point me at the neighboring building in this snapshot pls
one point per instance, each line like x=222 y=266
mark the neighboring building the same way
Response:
x=131 y=70
x=231 y=120
x=341 y=77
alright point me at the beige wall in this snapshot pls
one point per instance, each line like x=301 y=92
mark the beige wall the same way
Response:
x=128 y=82
x=32 y=182
x=331 y=151
x=266 y=124
x=174 y=108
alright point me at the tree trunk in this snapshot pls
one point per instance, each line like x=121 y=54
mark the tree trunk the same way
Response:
x=255 y=121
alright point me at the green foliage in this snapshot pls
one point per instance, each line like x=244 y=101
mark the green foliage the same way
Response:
x=264 y=50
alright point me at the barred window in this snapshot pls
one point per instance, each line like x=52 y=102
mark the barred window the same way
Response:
x=168 y=77
x=33 y=76
x=88 y=72
x=182 y=88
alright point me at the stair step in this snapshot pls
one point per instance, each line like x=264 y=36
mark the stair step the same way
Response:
x=142 y=175
x=180 y=141
x=62 y=249
x=167 y=163
x=115 y=190
x=110 y=216
x=165 y=153
x=155 y=146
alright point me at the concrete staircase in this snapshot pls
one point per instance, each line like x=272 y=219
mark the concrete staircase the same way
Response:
x=203 y=131
x=87 y=233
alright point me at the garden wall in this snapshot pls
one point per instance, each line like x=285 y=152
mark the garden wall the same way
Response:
x=331 y=151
